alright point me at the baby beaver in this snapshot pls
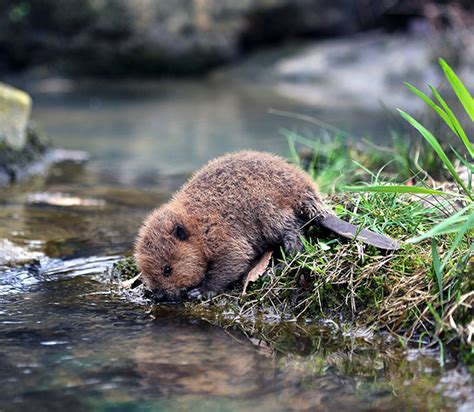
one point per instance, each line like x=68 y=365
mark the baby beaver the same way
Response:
x=225 y=218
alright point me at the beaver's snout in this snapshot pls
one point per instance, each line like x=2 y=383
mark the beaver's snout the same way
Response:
x=159 y=296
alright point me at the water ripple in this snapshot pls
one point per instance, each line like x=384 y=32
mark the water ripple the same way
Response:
x=15 y=280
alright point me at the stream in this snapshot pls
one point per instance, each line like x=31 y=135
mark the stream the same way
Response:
x=69 y=341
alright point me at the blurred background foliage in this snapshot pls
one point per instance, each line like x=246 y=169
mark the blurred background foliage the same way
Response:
x=188 y=37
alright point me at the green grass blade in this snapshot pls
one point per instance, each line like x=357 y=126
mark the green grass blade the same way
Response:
x=297 y=138
x=463 y=95
x=445 y=226
x=460 y=234
x=452 y=229
x=399 y=189
x=455 y=125
x=469 y=166
x=438 y=269
x=292 y=148
x=365 y=169
x=437 y=148
x=441 y=113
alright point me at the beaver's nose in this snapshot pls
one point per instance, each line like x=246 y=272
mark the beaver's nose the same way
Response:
x=162 y=297
x=156 y=295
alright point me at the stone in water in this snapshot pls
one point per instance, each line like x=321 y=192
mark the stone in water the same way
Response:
x=15 y=109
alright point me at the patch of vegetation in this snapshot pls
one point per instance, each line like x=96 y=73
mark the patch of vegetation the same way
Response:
x=452 y=236
x=396 y=292
x=124 y=269
x=423 y=292
x=357 y=286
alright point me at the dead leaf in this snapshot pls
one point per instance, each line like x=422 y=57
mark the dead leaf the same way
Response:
x=258 y=270
x=127 y=284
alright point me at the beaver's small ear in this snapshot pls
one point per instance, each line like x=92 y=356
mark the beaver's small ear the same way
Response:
x=180 y=232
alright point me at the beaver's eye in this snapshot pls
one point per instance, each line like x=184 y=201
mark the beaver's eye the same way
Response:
x=167 y=271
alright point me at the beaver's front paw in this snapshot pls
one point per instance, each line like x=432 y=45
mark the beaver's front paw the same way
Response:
x=201 y=294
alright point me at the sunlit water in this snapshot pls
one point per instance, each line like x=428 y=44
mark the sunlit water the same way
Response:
x=70 y=342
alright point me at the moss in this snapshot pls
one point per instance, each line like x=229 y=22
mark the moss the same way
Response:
x=14 y=163
x=124 y=269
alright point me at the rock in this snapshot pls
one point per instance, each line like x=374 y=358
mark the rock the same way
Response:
x=11 y=254
x=23 y=151
x=179 y=37
x=19 y=164
x=364 y=71
x=15 y=109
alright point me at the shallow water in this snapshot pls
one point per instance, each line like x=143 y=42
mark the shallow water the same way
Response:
x=138 y=130
x=69 y=341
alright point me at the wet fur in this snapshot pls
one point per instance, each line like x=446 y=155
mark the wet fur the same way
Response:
x=232 y=210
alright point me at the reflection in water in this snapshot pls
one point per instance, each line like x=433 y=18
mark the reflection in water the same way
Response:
x=71 y=342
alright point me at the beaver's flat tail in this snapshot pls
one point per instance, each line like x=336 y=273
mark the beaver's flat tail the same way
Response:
x=350 y=231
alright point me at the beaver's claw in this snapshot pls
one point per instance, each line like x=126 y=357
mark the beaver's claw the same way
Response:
x=201 y=294
x=195 y=294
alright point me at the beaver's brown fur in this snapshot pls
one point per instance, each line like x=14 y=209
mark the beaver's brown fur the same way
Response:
x=228 y=214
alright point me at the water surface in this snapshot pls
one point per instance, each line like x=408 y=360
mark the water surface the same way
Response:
x=70 y=341
x=136 y=130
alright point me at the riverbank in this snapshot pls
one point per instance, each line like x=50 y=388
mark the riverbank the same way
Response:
x=356 y=287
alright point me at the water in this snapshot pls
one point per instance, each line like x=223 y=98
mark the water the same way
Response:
x=136 y=131
x=69 y=341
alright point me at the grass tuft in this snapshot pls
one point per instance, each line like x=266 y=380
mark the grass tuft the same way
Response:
x=421 y=195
